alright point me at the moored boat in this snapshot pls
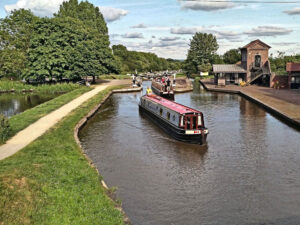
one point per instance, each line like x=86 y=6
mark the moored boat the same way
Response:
x=181 y=122
x=163 y=88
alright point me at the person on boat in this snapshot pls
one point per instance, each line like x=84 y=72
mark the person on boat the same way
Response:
x=149 y=91
x=163 y=79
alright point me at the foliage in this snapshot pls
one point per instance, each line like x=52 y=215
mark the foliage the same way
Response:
x=51 y=180
x=232 y=56
x=5 y=129
x=7 y=85
x=278 y=64
x=203 y=48
x=130 y=61
x=205 y=67
x=15 y=34
x=71 y=45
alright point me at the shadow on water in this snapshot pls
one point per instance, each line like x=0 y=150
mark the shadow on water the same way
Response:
x=247 y=174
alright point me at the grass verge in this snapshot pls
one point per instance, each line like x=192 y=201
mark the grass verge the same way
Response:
x=51 y=182
x=23 y=120
x=113 y=77
x=7 y=85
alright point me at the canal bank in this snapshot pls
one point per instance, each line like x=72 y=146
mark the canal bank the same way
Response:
x=283 y=103
x=50 y=179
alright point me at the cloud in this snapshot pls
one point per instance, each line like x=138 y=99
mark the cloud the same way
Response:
x=284 y=44
x=294 y=11
x=205 y=5
x=133 y=35
x=112 y=14
x=38 y=7
x=141 y=25
x=186 y=30
x=169 y=38
x=272 y=31
x=153 y=36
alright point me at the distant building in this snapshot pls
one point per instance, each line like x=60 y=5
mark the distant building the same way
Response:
x=254 y=67
x=293 y=70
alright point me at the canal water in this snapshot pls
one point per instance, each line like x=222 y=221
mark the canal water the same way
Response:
x=248 y=173
x=12 y=104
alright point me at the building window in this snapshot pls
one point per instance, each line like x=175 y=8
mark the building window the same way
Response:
x=257 y=61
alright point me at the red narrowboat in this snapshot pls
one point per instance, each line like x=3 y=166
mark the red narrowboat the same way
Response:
x=181 y=122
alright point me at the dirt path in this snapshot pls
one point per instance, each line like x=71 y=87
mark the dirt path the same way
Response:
x=35 y=130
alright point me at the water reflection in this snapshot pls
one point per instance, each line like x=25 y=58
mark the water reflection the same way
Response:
x=12 y=104
x=248 y=173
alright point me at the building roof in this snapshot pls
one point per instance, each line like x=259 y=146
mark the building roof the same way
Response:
x=256 y=41
x=171 y=105
x=228 y=68
x=293 y=67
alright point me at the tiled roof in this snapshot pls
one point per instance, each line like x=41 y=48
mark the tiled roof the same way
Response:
x=228 y=68
x=256 y=41
x=293 y=67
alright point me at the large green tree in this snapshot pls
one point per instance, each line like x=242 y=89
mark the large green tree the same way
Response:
x=15 y=35
x=232 y=56
x=98 y=50
x=203 y=48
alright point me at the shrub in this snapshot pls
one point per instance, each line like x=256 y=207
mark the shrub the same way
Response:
x=4 y=128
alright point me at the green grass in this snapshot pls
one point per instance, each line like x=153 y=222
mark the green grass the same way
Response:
x=23 y=120
x=7 y=85
x=113 y=76
x=51 y=182
x=180 y=75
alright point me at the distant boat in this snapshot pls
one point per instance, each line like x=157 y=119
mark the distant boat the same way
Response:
x=163 y=89
x=179 y=121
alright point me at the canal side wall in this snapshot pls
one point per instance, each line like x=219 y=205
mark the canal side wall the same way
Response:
x=84 y=121
x=286 y=118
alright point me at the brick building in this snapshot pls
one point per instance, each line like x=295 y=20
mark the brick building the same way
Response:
x=254 y=67
x=293 y=70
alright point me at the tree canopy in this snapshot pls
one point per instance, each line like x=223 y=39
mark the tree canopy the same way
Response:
x=232 y=56
x=15 y=34
x=72 y=44
x=203 y=48
x=130 y=61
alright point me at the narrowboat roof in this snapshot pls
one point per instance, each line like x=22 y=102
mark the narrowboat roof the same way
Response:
x=171 y=105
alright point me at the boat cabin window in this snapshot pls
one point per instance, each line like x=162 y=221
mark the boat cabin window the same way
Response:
x=161 y=111
x=199 y=121
x=168 y=115
x=174 y=117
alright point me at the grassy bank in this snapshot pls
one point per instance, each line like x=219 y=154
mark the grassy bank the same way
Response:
x=21 y=121
x=18 y=86
x=51 y=182
x=113 y=77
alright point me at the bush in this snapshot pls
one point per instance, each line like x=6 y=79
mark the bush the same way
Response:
x=4 y=128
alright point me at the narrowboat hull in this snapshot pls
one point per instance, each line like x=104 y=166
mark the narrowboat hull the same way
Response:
x=175 y=132
x=168 y=95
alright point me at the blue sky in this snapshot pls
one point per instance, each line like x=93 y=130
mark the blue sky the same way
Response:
x=166 y=26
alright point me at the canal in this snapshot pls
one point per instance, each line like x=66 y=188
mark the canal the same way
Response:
x=12 y=104
x=248 y=173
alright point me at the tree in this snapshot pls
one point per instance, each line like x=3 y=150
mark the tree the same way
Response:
x=232 y=56
x=97 y=47
x=203 y=48
x=15 y=34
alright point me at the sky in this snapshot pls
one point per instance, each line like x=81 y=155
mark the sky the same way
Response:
x=165 y=27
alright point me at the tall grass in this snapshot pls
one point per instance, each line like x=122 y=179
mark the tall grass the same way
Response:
x=17 y=86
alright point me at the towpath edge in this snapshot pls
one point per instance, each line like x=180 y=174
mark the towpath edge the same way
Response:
x=288 y=111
